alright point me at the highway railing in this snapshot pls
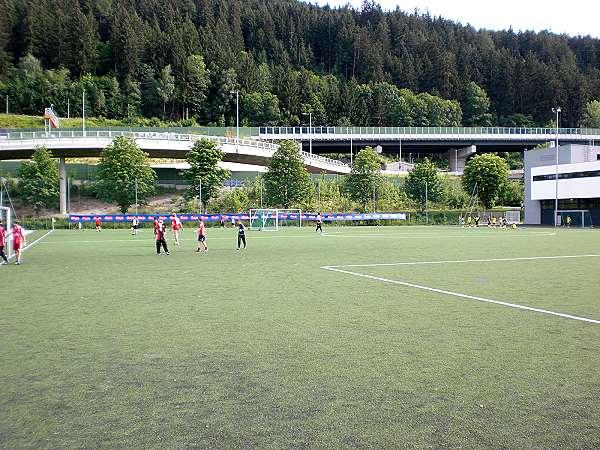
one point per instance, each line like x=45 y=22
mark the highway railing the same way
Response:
x=41 y=136
x=451 y=131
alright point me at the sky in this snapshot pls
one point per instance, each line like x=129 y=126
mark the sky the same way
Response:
x=574 y=17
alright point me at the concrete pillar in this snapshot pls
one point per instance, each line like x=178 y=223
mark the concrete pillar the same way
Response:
x=457 y=158
x=62 y=175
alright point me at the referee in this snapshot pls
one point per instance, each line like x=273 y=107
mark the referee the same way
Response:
x=241 y=234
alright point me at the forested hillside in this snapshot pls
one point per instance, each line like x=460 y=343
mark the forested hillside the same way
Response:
x=173 y=58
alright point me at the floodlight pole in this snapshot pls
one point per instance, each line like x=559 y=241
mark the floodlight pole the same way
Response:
x=309 y=114
x=83 y=111
x=319 y=195
x=261 y=192
x=399 y=155
x=557 y=111
x=237 y=118
x=351 y=163
x=136 y=197
x=200 y=196
x=68 y=108
x=426 y=211
x=6 y=103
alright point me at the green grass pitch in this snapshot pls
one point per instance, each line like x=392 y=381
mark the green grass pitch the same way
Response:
x=103 y=344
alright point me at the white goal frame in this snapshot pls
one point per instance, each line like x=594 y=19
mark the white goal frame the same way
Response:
x=269 y=219
x=5 y=213
x=580 y=214
x=263 y=219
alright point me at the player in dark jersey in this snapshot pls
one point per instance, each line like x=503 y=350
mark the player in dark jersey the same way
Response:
x=319 y=223
x=241 y=234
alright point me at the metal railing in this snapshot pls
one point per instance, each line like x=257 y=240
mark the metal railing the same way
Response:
x=450 y=131
x=32 y=136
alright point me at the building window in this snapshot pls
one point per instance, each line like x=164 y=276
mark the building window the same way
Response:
x=568 y=176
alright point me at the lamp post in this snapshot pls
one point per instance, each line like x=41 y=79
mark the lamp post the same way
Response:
x=83 y=111
x=309 y=114
x=237 y=117
x=557 y=111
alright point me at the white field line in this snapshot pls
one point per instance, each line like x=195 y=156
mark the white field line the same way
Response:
x=28 y=246
x=468 y=297
x=304 y=236
x=461 y=261
x=432 y=236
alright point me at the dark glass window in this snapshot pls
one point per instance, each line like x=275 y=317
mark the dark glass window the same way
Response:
x=568 y=176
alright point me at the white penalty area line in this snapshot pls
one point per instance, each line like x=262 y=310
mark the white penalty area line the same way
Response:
x=28 y=246
x=466 y=296
x=462 y=261
x=440 y=236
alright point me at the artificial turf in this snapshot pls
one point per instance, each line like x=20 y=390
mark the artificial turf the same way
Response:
x=103 y=344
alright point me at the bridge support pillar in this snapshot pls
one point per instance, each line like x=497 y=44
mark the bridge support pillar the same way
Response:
x=457 y=158
x=62 y=175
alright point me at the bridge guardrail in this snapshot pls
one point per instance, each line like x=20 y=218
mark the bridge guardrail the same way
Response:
x=29 y=136
x=494 y=131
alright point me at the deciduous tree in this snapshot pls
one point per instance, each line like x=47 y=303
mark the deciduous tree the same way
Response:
x=489 y=173
x=122 y=164
x=38 y=180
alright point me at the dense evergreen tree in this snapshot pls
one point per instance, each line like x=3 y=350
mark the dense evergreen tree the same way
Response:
x=363 y=67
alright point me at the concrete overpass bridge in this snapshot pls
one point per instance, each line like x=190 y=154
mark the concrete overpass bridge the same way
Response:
x=455 y=143
x=78 y=144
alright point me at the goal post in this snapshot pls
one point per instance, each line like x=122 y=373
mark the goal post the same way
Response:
x=272 y=219
x=579 y=218
x=5 y=215
x=263 y=220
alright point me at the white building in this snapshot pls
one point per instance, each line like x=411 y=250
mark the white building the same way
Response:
x=578 y=182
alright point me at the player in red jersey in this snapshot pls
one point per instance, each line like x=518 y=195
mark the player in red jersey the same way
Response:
x=18 y=236
x=155 y=226
x=176 y=226
x=201 y=231
x=98 y=224
x=161 y=240
x=2 y=244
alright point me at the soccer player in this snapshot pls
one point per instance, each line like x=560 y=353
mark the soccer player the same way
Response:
x=201 y=231
x=161 y=241
x=176 y=226
x=489 y=222
x=319 y=223
x=135 y=224
x=494 y=222
x=568 y=221
x=477 y=221
x=98 y=224
x=2 y=243
x=156 y=226
x=18 y=236
x=241 y=234
x=469 y=220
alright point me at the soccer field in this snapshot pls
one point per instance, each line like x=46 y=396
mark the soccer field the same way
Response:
x=364 y=337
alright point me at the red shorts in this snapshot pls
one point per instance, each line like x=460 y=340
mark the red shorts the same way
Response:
x=176 y=227
x=16 y=246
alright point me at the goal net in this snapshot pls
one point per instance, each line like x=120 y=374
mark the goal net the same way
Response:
x=272 y=219
x=263 y=220
x=512 y=217
x=580 y=218
x=7 y=224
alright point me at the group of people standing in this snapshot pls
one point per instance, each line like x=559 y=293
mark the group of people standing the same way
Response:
x=18 y=242
x=160 y=232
